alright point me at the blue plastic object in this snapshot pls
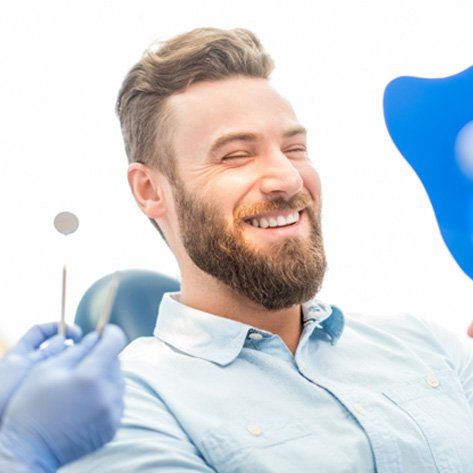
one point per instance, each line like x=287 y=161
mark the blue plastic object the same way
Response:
x=431 y=123
x=136 y=304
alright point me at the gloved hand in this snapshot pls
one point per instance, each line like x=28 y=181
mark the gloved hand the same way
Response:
x=18 y=362
x=68 y=406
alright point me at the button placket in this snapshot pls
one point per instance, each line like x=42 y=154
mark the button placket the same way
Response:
x=301 y=365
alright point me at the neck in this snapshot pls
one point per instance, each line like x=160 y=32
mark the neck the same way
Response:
x=203 y=292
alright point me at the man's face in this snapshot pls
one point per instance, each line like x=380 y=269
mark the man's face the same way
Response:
x=247 y=197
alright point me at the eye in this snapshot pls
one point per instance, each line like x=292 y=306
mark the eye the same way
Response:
x=297 y=151
x=240 y=155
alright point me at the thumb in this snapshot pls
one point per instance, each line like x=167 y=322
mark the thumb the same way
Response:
x=110 y=344
x=33 y=338
x=73 y=355
x=40 y=333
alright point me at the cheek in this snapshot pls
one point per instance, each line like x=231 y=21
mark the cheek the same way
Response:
x=228 y=192
x=311 y=181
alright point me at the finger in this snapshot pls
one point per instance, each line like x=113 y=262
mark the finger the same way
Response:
x=38 y=334
x=33 y=338
x=73 y=355
x=73 y=332
x=54 y=345
x=110 y=344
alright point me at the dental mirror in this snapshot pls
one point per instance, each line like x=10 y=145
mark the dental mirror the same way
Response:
x=65 y=223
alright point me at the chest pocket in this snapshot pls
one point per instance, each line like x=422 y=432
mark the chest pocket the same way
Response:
x=280 y=446
x=437 y=404
x=236 y=447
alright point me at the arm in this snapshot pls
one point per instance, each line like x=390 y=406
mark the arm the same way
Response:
x=67 y=406
x=150 y=439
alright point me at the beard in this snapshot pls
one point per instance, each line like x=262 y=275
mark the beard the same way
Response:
x=284 y=274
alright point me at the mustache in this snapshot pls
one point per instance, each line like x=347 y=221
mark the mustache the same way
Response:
x=296 y=202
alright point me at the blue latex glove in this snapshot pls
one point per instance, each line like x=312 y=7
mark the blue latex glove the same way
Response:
x=18 y=362
x=68 y=405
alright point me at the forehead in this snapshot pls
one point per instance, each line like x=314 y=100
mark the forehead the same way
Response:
x=207 y=110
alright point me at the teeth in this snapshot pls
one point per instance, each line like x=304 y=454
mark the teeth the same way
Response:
x=279 y=221
x=263 y=223
x=294 y=217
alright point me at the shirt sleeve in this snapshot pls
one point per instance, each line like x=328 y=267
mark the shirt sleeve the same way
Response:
x=150 y=439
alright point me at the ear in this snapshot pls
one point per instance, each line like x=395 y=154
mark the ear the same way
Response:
x=146 y=184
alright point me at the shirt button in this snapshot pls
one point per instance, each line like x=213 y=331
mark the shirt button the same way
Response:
x=359 y=409
x=255 y=336
x=254 y=429
x=432 y=381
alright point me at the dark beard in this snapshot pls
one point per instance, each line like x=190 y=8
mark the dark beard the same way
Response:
x=288 y=273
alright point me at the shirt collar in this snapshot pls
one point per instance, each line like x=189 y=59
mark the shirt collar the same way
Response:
x=219 y=339
x=325 y=316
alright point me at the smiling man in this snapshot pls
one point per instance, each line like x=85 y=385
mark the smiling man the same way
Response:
x=247 y=371
x=241 y=210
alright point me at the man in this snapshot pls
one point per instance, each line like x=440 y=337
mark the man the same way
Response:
x=247 y=372
x=58 y=403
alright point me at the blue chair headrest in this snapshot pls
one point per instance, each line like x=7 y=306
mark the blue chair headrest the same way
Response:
x=136 y=303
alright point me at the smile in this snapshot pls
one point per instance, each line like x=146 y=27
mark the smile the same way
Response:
x=275 y=220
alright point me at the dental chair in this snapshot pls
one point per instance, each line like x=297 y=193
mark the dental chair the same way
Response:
x=135 y=306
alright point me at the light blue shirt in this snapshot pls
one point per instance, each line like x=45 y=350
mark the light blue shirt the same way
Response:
x=208 y=394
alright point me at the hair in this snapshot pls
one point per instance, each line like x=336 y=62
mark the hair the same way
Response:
x=203 y=54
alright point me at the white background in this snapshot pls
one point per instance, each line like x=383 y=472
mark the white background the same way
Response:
x=62 y=63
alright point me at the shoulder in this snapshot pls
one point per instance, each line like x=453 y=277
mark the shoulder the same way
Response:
x=144 y=357
x=399 y=324
x=420 y=335
x=141 y=348
x=405 y=326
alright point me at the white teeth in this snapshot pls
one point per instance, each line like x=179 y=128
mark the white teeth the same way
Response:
x=282 y=221
x=294 y=217
x=279 y=221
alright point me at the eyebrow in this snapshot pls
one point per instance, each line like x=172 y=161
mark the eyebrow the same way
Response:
x=229 y=137
x=249 y=137
x=294 y=131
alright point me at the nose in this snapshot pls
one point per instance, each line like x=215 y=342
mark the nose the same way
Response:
x=280 y=177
